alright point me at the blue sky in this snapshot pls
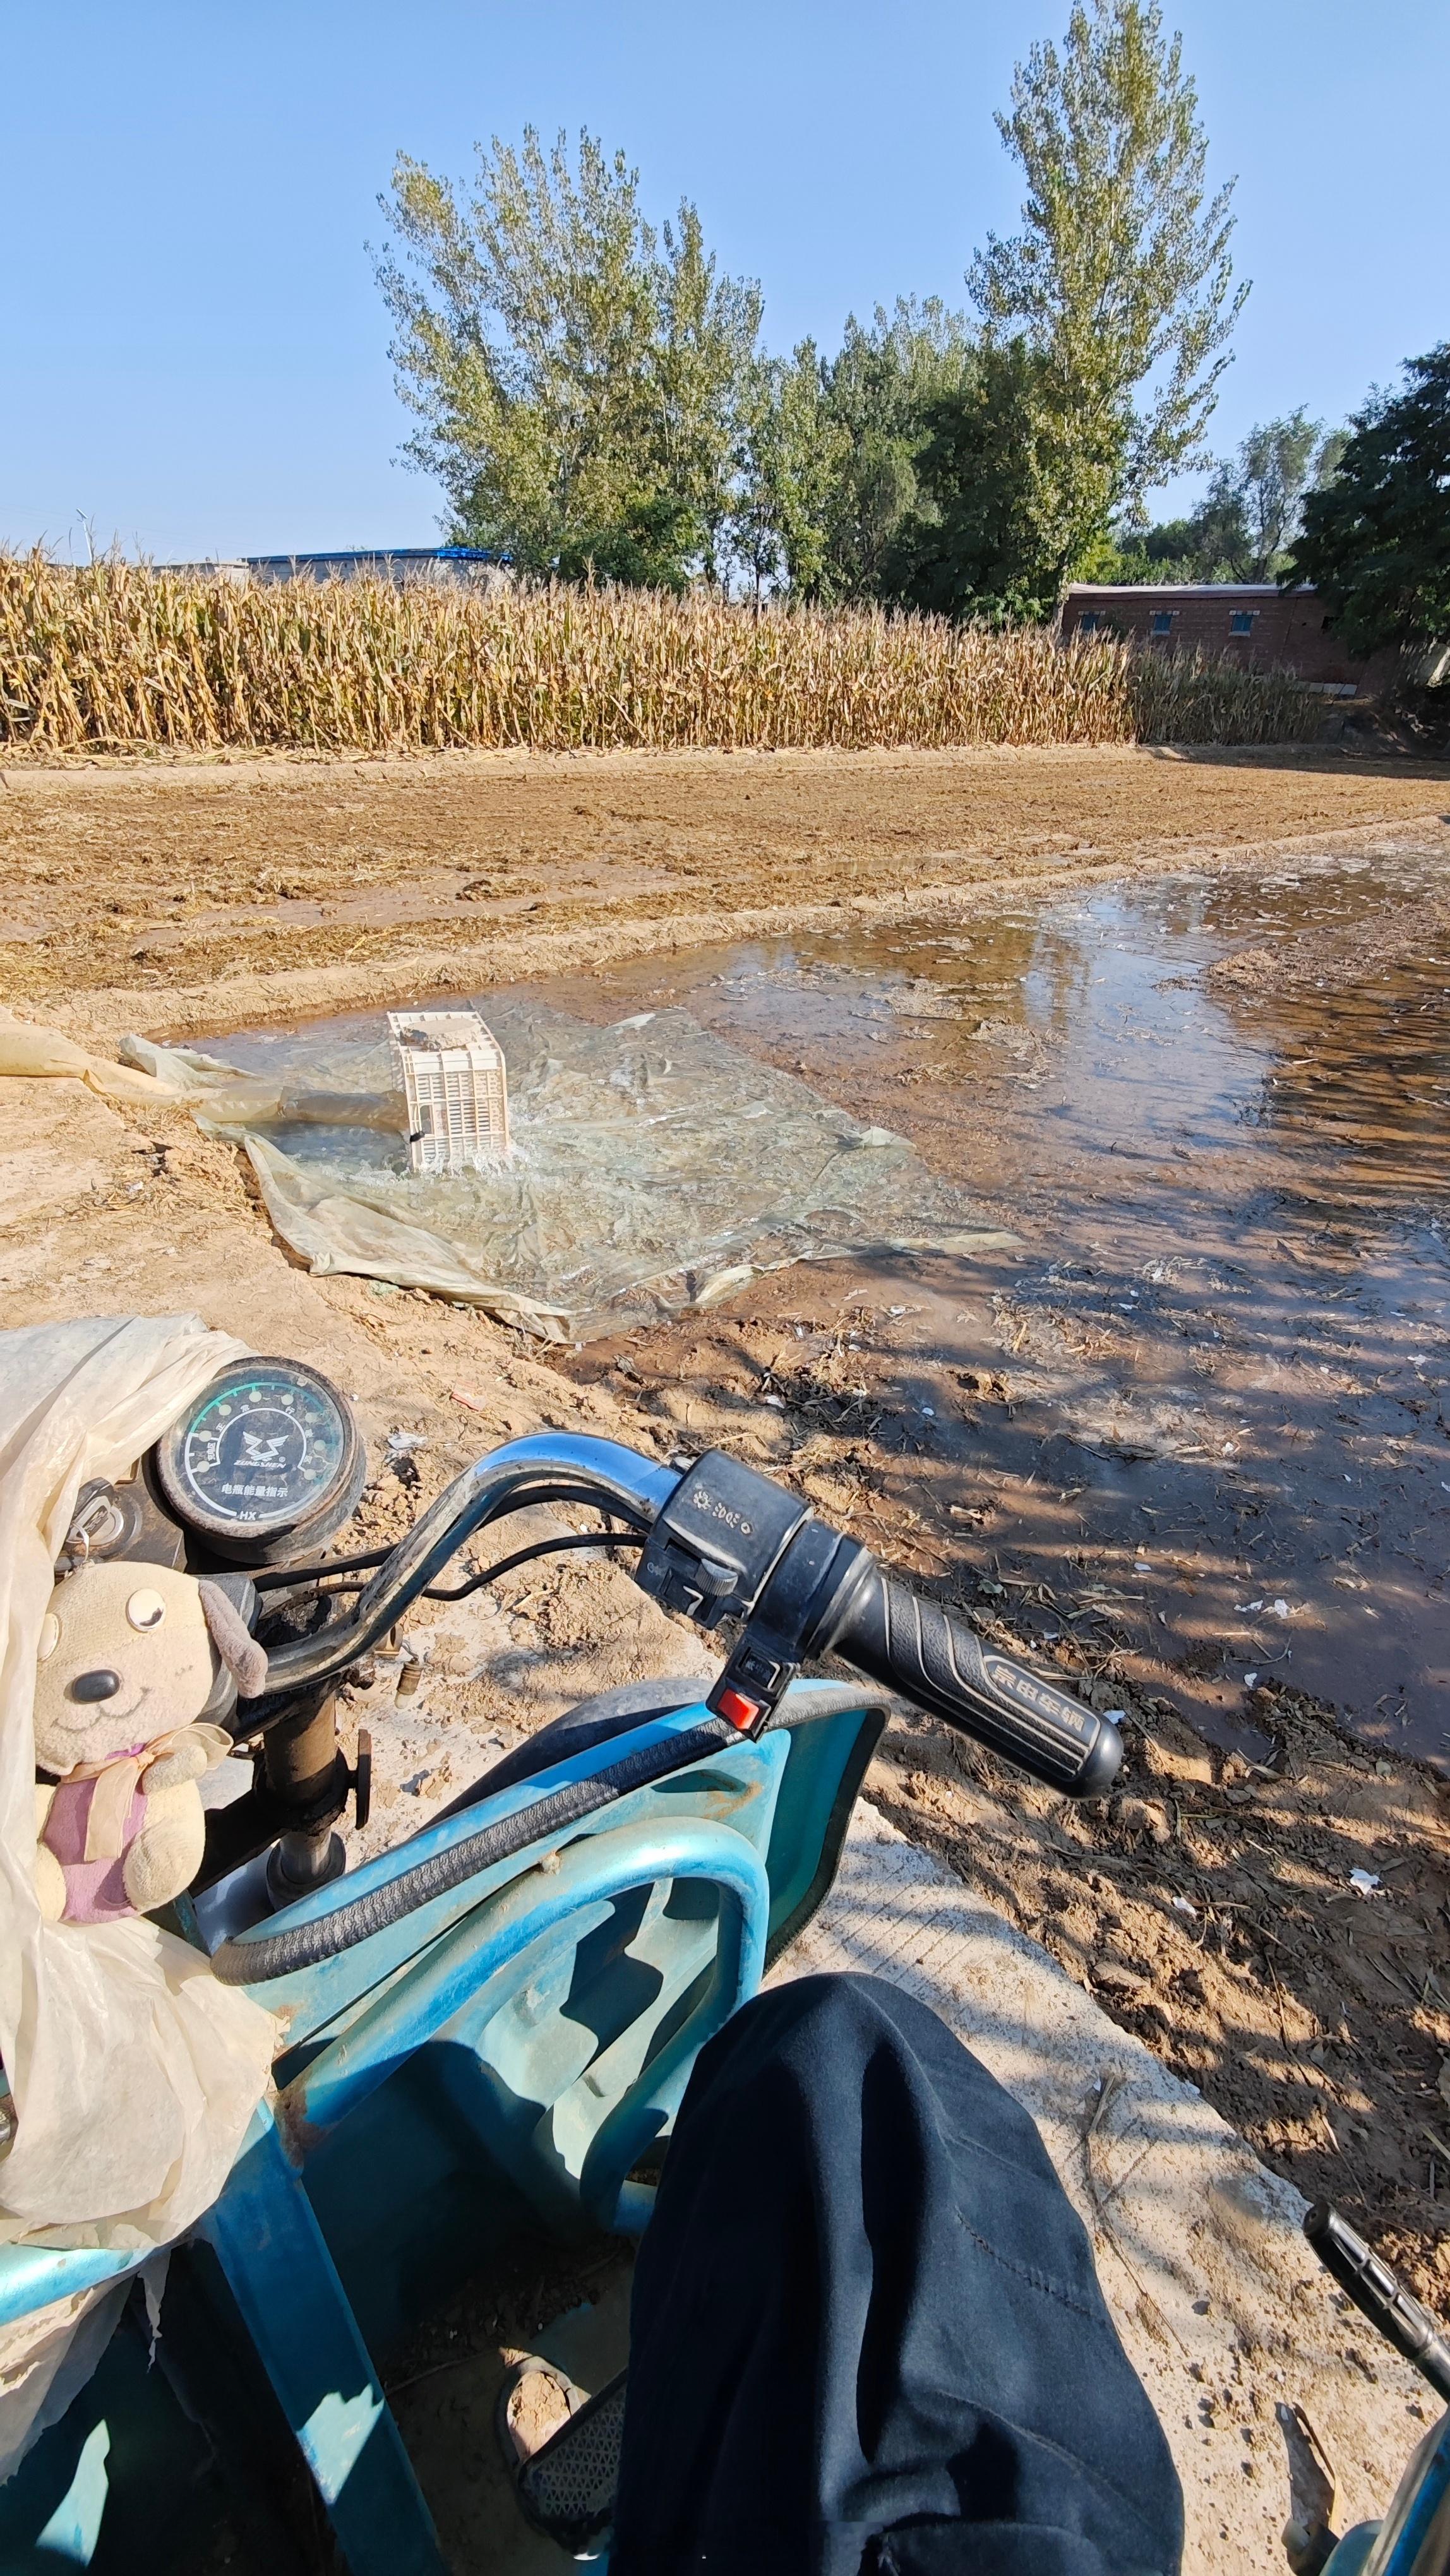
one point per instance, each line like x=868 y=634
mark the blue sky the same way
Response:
x=194 y=348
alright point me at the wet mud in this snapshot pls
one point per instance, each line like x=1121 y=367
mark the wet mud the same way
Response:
x=1186 y=1444
x=1198 y=1424
x=1193 y=1429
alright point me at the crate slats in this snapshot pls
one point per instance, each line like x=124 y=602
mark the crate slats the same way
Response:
x=456 y=1087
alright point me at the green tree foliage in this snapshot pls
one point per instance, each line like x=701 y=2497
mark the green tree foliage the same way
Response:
x=1105 y=323
x=577 y=376
x=882 y=390
x=1003 y=514
x=828 y=461
x=1278 y=464
x=591 y=394
x=1120 y=280
x=1166 y=551
x=1376 y=539
x=789 y=467
x=1249 y=513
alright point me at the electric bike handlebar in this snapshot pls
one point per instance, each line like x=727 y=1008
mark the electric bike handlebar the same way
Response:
x=725 y=1540
x=919 y=1649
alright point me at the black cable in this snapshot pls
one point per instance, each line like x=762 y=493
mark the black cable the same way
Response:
x=601 y=1539
x=519 y=1501
x=524 y=1555
x=280 y=1578
x=275 y=1578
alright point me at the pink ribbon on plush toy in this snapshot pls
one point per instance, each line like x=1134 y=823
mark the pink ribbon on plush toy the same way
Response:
x=118 y=1780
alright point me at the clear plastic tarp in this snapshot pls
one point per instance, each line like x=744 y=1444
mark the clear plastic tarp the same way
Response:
x=655 y=1167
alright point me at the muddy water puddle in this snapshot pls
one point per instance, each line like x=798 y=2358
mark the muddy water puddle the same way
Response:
x=1199 y=1424
x=1193 y=1432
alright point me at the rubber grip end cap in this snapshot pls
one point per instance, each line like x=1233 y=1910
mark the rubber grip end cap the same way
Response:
x=1103 y=1763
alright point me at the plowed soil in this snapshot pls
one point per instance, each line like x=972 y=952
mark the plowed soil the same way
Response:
x=173 y=897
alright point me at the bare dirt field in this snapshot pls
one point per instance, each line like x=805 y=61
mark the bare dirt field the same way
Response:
x=1209 y=1905
x=176 y=896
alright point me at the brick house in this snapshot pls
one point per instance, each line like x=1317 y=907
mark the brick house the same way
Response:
x=1252 y=622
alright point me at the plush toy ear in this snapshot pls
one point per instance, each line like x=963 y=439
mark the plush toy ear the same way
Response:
x=245 y=1660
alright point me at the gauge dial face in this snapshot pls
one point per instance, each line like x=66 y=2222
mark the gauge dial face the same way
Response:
x=266 y=1447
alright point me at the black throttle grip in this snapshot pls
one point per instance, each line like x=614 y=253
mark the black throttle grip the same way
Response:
x=916 y=1647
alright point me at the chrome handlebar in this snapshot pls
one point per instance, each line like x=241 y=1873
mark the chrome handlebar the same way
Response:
x=618 y=1478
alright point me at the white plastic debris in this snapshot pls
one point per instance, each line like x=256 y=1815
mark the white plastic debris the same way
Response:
x=456 y=1089
x=636 y=1188
x=1249 y=1680
x=1181 y=1905
x=1364 y=1882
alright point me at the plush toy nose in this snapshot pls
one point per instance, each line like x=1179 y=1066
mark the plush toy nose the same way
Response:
x=98 y=1685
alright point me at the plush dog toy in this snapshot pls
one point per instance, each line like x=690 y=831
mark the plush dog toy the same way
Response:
x=135 y=1660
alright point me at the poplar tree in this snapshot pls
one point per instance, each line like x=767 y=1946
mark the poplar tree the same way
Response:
x=1120 y=282
x=576 y=374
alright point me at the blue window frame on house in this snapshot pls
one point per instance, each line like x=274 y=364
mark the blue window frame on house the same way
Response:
x=1241 y=621
x=1089 y=622
x=1162 y=622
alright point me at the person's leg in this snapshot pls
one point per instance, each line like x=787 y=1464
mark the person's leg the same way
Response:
x=866 y=2323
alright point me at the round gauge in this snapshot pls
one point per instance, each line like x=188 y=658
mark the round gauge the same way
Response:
x=265 y=1464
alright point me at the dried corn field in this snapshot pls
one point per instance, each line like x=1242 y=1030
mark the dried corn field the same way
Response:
x=113 y=656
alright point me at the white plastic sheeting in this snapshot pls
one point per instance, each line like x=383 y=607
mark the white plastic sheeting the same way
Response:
x=133 y=2072
x=38 y=1054
x=655 y=1167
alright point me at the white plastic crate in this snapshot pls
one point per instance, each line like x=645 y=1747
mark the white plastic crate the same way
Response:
x=456 y=1088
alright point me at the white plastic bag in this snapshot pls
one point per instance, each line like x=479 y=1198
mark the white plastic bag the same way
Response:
x=134 y=2073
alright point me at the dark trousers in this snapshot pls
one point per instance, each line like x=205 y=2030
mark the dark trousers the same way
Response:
x=867 y=2332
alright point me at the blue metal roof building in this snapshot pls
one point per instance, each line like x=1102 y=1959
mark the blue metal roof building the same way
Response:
x=473 y=567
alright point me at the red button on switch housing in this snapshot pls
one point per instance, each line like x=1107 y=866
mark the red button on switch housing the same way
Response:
x=741 y=1710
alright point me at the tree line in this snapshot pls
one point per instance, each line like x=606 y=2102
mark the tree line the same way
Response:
x=593 y=393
